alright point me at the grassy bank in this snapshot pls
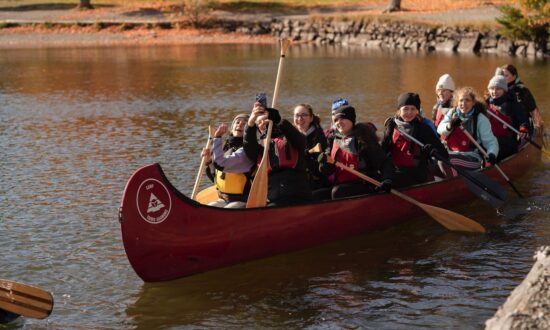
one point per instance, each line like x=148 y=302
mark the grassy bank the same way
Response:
x=261 y=5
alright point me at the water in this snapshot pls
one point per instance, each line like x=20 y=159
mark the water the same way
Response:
x=76 y=123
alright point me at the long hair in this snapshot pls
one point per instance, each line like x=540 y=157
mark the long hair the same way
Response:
x=471 y=92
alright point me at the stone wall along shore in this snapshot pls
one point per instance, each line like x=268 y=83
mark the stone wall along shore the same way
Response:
x=394 y=35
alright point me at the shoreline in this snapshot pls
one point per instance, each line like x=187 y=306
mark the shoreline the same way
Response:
x=67 y=37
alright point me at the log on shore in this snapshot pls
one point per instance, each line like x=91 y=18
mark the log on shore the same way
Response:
x=528 y=306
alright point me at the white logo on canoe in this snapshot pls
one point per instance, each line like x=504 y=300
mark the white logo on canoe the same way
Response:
x=154 y=204
x=153 y=201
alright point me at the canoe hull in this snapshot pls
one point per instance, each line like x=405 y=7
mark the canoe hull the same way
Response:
x=166 y=235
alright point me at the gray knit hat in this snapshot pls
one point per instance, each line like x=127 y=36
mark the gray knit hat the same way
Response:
x=498 y=81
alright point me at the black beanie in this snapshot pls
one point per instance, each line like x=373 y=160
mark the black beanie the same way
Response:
x=346 y=112
x=408 y=99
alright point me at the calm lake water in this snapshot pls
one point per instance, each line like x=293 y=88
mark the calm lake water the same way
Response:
x=76 y=123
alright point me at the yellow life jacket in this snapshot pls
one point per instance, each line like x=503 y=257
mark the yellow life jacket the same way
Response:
x=230 y=183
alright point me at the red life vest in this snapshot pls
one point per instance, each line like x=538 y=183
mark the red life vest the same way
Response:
x=344 y=155
x=440 y=114
x=458 y=141
x=402 y=150
x=498 y=128
x=281 y=155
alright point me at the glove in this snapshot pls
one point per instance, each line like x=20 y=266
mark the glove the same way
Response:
x=273 y=115
x=325 y=167
x=523 y=133
x=455 y=122
x=385 y=186
x=492 y=159
x=427 y=150
x=322 y=158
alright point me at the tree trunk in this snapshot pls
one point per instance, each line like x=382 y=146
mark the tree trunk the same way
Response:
x=395 y=5
x=85 y=4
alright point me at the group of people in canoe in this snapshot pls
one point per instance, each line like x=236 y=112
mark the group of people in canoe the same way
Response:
x=307 y=162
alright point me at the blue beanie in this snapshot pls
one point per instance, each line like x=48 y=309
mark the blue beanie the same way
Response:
x=339 y=102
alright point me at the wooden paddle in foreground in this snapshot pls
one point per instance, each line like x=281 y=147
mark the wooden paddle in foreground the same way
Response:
x=25 y=300
x=202 y=166
x=449 y=219
x=258 y=190
x=484 y=153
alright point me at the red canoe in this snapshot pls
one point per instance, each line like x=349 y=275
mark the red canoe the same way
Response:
x=166 y=235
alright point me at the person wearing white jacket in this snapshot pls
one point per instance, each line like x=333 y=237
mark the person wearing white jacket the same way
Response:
x=468 y=113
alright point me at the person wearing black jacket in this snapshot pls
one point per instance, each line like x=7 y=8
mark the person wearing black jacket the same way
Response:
x=354 y=145
x=287 y=177
x=522 y=94
x=413 y=163
x=309 y=124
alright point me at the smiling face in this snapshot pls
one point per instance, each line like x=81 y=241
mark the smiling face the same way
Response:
x=444 y=94
x=344 y=126
x=465 y=102
x=238 y=127
x=302 y=118
x=408 y=112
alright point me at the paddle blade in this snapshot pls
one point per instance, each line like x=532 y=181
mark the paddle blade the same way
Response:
x=258 y=191
x=25 y=300
x=485 y=188
x=207 y=195
x=451 y=220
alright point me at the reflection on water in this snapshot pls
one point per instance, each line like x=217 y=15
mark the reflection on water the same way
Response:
x=76 y=123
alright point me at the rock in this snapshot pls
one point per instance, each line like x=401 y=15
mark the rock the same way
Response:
x=446 y=46
x=505 y=46
x=528 y=306
x=470 y=45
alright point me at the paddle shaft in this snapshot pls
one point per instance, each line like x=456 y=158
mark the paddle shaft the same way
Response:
x=484 y=153
x=257 y=196
x=536 y=145
x=449 y=219
x=463 y=173
x=201 y=167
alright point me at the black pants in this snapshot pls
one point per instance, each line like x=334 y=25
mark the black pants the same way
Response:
x=343 y=190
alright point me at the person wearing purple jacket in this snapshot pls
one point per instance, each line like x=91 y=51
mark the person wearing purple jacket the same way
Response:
x=229 y=167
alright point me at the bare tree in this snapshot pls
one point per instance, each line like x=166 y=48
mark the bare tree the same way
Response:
x=395 y=5
x=85 y=4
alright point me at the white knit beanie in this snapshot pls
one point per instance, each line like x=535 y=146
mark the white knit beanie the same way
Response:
x=498 y=81
x=445 y=82
x=499 y=72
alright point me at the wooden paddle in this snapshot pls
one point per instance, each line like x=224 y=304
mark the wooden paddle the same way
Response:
x=484 y=153
x=202 y=166
x=449 y=219
x=536 y=145
x=25 y=300
x=258 y=190
x=481 y=185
